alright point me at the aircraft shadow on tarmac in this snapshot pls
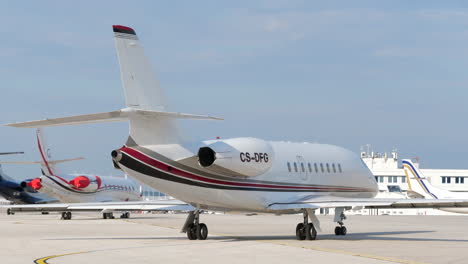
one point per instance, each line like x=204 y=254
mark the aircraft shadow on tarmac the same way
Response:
x=384 y=236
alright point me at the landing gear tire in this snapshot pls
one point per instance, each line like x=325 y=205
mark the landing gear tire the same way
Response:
x=343 y=230
x=66 y=216
x=191 y=232
x=202 y=231
x=340 y=230
x=306 y=230
x=108 y=216
x=310 y=232
x=193 y=227
x=125 y=215
x=9 y=212
x=300 y=234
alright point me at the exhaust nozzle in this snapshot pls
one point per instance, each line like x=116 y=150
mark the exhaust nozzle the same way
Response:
x=116 y=155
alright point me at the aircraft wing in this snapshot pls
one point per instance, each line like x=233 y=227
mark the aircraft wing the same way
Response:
x=371 y=203
x=159 y=205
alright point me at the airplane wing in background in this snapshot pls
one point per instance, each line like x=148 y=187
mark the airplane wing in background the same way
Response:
x=162 y=205
x=371 y=203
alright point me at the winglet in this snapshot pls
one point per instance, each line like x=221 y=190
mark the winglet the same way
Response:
x=123 y=29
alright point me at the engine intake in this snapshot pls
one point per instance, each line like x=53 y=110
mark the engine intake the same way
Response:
x=206 y=156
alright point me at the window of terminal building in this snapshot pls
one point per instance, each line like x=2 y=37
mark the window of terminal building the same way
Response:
x=295 y=166
x=444 y=179
x=289 y=167
x=394 y=188
x=309 y=166
x=376 y=178
x=457 y=180
x=462 y=180
x=449 y=179
x=333 y=167
x=403 y=179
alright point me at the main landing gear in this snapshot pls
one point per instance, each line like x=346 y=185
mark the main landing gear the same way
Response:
x=193 y=227
x=339 y=218
x=108 y=216
x=125 y=215
x=66 y=216
x=306 y=230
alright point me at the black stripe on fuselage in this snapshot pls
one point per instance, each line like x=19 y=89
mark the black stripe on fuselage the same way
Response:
x=141 y=167
x=156 y=156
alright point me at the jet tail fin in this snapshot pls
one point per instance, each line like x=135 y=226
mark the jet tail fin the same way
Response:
x=418 y=184
x=150 y=121
x=46 y=163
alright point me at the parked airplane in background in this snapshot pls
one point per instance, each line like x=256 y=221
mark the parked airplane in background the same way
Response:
x=419 y=186
x=78 y=188
x=12 y=190
x=239 y=174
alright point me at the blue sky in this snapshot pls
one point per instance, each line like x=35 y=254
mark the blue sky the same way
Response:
x=387 y=73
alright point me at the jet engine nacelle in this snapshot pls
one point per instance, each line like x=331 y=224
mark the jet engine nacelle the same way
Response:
x=245 y=156
x=87 y=183
x=32 y=185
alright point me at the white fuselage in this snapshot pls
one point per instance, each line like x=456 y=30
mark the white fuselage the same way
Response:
x=112 y=189
x=164 y=167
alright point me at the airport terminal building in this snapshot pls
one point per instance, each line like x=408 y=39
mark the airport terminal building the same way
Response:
x=392 y=180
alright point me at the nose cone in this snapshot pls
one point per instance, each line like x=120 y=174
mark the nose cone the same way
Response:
x=80 y=182
x=35 y=184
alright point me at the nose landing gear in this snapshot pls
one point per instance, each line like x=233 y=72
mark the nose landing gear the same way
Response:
x=339 y=218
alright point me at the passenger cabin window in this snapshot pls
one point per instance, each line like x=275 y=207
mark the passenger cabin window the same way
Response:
x=302 y=167
x=321 y=167
x=316 y=167
x=310 y=167
x=444 y=179
x=334 y=168
x=295 y=166
x=328 y=168
x=462 y=180
x=289 y=167
x=339 y=168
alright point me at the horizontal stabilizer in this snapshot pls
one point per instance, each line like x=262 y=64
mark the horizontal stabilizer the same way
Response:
x=11 y=153
x=39 y=162
x=114 y=116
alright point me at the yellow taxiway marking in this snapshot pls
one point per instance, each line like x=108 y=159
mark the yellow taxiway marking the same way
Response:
x=45 y=259
x=344 y=252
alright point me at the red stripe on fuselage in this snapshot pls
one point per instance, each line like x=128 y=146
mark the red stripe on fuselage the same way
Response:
x=42 y=155
x=175 y=171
